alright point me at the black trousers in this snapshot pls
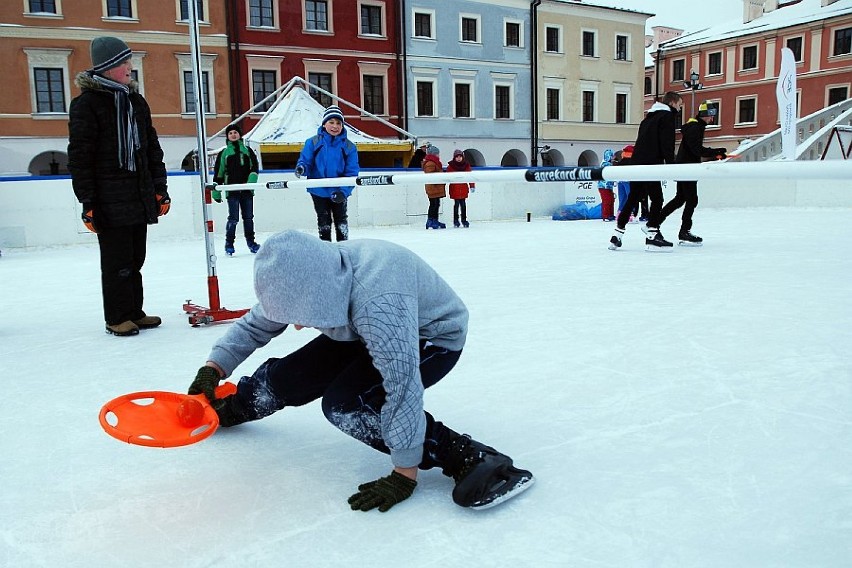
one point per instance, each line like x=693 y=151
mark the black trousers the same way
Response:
x=327 y=212
x=686 y=196
x=341 y=373
x=240 y=201
x=653 y=190
x=459 y=206
x=434 y=208
x=123 y=252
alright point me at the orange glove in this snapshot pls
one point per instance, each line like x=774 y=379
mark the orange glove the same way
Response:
x=165 y=204
x=88 y=217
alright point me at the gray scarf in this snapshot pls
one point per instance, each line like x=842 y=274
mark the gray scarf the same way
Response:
x=128 y=133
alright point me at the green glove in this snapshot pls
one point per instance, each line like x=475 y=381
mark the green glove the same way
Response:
x=206 y=381
x=383 y=493
x=216 y=195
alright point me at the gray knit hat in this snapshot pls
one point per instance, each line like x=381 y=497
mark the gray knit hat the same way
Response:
x=433 y=150
x=108 y=52
x=332 y=112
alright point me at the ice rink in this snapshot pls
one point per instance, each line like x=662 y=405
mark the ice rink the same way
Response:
x=691 y=409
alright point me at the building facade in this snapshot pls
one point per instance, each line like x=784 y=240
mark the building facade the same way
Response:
x=45 y=43
x=737 y=71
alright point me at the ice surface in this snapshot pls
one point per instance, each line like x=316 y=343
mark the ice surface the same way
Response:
x=683 y=409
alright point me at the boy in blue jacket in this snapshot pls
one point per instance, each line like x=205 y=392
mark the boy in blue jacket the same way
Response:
x=329 y=154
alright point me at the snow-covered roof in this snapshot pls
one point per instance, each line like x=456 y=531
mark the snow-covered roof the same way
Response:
x=784 y=16
x=295 y=118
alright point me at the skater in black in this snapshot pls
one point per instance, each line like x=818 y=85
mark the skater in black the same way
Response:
x=390 y=327
x=691 y=151
x=655 y=144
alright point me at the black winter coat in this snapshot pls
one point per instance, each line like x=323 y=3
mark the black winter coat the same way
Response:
x=692 y=147
x=120 y=197
x=655 y=143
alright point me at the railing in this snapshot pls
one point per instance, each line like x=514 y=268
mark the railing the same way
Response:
x=812 y=133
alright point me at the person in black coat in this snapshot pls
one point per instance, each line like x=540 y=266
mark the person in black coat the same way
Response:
x=691 y=151
x=118 y=174
x=655 y=144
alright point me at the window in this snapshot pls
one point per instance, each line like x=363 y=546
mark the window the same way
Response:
x=323 y=81
x=588 y=106
x=678 y=66
x=425 y=98
x=837 y=94
x=423 y=24
x=621 y=43
x=463 y=96
x=502 y=101
x=553 y=40
x=795 y=45
x=843 y=41
x=621 y=108
x=470 y=29
x=189 y=91
x=43 y=6
x=553 y=97
x=316 y=15
x=714 y=63
x=119 y=9
x=513 y=35
x=263 y=84
x=184 y=9
x=588 y=47
x=371 y=20
x=261 y=14
x=746 y=110
x=374 y=94
x=749 y=57
x=649 y=88
x=49 y=89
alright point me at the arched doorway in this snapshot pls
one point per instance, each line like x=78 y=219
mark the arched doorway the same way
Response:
x=474 y=157
x=588 y=158
x=552 y=158
x=50 y=163
x=514 y=159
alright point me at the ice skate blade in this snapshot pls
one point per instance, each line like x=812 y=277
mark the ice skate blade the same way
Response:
x=689 y=244
x=654 y=248
x=517 y=490
x=613 y=247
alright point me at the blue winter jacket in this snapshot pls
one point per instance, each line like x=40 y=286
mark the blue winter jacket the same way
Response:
x=327 y=156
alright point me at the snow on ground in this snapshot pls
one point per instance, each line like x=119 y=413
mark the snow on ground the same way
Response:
x=683 y=409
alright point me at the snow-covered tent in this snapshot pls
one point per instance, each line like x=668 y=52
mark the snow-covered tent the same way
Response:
x=295 y=116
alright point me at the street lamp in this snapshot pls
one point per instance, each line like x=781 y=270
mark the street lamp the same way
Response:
x=694 y=85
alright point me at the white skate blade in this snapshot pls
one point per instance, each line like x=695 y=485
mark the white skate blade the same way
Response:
x=514 y=492
x=613 y=247
x=689 y=244
x=654 y=248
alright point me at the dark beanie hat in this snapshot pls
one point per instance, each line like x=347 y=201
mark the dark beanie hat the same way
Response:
x=234 y=127
x=108 y=52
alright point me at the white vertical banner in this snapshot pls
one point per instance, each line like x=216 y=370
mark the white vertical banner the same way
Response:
x=785 y=92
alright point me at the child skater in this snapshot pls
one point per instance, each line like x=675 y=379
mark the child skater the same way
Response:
x=459 y=191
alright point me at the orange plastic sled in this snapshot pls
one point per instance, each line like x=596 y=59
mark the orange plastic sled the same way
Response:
x=152 y=418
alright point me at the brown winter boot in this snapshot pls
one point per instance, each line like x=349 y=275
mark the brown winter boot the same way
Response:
x=123 y=328
x=148 y=322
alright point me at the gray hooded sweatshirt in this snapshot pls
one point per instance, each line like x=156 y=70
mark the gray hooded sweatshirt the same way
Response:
x=363 y=290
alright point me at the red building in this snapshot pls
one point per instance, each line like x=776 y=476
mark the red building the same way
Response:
x=738 y=66
x=349 y=48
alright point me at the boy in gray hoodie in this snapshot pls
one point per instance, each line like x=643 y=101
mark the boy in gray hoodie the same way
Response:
x=390 y=327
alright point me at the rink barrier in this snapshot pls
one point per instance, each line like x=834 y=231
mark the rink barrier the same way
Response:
x=826 y=170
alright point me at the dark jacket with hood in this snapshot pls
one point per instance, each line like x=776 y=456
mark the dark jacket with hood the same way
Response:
x=655 y=143
x=119 y=197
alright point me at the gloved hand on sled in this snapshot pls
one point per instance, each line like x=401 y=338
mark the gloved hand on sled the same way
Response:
x=383 y=493
x=206 y=381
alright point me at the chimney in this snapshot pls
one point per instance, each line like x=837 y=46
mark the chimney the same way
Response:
x=752 y=10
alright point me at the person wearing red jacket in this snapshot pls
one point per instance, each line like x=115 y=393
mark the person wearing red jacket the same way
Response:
x=459 y=191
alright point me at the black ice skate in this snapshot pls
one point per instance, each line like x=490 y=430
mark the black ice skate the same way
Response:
x=615 y=239
x=484 y=477
x=687 y=239
x=656 y=243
